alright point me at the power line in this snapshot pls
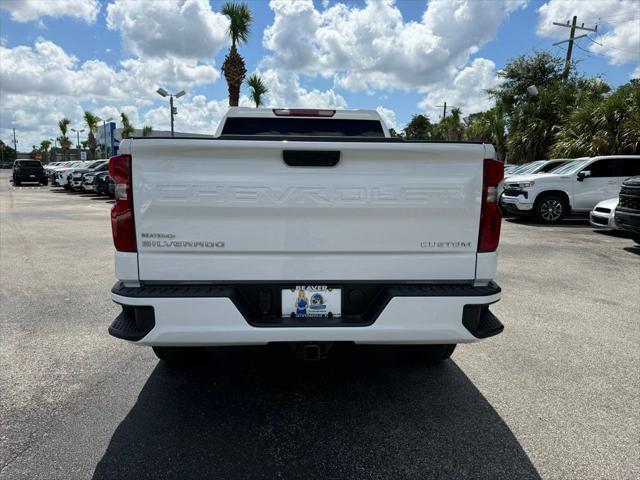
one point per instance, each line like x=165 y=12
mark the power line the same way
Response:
x=609 y=46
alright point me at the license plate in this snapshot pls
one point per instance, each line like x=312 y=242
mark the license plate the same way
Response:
x=315 y=301
x=32 y=176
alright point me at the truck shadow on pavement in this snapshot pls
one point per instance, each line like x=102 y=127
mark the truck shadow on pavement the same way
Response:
x=367 y=412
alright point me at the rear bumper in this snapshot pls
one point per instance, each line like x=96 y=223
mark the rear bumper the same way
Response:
x=220 y=315
x=31 y=177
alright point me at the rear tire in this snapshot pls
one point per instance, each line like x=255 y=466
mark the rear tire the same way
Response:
x=430 y=353
x=178 y=355
x=636 y=237
x=16 y=183
x=550 y=209
x=45 y=182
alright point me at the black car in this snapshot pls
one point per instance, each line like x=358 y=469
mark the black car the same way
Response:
x=627 y=214
x=29 y=171
x=101 y=183
x=75 y=182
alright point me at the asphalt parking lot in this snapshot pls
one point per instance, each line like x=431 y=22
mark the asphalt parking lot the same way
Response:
x=557 y=395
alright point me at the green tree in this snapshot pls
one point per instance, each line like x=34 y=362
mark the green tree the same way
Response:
x=44 y=148
x=418 y=128
x=63 y=140
x=534 y=120
x=147 y=131
x=127 y=128
x=91 y=121
x=7 y=154
x=488 y=127
x=233 y=67
x=449 y=128
x=607 y=126
x=258 y=89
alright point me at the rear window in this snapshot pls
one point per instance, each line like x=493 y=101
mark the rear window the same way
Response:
x=29 y=163
x=312 y=127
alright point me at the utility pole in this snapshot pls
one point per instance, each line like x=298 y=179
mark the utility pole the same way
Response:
x=444 y=109
x=173 y=112
x=15 y=142
x=572 y=37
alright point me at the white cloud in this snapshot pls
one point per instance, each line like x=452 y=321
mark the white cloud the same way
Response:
x=43 y=83
x=636 y=72
x=47 y=69
x=388 y=116
x=285 y=91
x=179 y=28
x=467 y=91
x=618 y=26
x=195 y=115
x=30 y=10
x=372 y=47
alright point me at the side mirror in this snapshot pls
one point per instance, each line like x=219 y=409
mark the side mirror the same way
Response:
x=583 y=174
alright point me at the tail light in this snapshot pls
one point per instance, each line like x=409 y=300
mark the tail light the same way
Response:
x=490 y=216
x=122 y=223
x=302 y=112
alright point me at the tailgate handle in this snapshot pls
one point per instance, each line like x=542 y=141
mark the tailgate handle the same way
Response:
x=311 y=158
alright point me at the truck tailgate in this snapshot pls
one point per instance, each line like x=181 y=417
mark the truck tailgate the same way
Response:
x=218 y=210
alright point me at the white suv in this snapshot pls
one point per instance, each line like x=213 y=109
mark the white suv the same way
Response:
x=575 y=187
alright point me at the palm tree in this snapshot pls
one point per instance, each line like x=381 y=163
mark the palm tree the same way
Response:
x=44 y=148
x=258 y=89
x=234 y=68
x=147 y=131
x=449 y=128
x=92 y=125
x=609 y=126
x=65 y=143
x=127 y=128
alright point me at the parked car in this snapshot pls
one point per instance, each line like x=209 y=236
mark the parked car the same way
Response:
x=61 y=173
x=539 y=166
x=76 y=179
x=575 y=187
x=89 y=174
x=28 y=171
x=602 y=215
x=287 y=213
x=627 y=213
x=508 y=169
x=101 y=183
x=90 y=180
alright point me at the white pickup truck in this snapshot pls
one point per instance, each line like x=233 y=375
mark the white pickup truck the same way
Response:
x=575 y=187
x=307 y=227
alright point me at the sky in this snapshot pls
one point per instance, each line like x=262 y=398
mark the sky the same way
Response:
x=61 y=57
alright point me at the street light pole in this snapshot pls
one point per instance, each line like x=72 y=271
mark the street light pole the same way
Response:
x=78 y=132
x=163 y=93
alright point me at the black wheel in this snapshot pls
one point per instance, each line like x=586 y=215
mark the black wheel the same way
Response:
x=16 y=183
x=550 y=209
x=45 y=182
x=636 y=237
x=430 y=353
x=178 y=355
